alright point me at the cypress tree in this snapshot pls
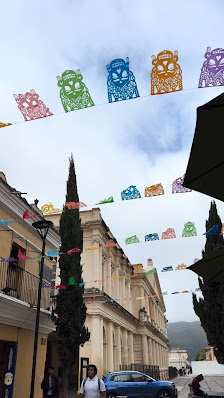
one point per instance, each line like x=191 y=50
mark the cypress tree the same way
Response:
x=210 y=308
x=70 y=310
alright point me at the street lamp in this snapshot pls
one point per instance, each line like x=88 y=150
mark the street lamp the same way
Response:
x=42 y=228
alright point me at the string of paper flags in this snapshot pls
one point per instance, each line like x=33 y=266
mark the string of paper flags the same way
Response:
x=166 y=77
x=189 y=230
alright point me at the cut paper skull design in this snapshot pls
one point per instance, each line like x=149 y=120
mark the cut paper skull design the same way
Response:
x=154 y=190
x=109 y=200
x=166 y=269
x=31 y=107
x=132 y=239
x=177 y=186
x=121 y=84
x=189 y=230
x=151 y=237
x=168 y=234
x=74 y=94
x=212 y=71
x=130 y=193
x=180 y=267
x=166 y=76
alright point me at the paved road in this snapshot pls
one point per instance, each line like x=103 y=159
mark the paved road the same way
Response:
x=210 y=383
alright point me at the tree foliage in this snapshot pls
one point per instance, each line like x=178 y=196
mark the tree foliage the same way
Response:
x=200 y=356
x=210 y=308
x=70 y=310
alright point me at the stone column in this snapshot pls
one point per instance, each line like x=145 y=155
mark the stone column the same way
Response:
x=145 y=355
x=117 y=283
x=109 y=291
x=131 y=348
x=118 y=348
x=96 y=342
x=125 y=347
x=97 y=265
x=142 y=294
x=110 y=358
x=124 y=303
x=129 y=295
x=150 y=351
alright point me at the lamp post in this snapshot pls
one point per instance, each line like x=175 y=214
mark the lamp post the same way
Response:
x=42 y=228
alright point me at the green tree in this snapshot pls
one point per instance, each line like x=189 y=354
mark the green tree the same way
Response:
x=210 y=308
x=200 y=356
x=70 y=311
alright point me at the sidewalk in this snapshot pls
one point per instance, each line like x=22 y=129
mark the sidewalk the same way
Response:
x=210 y=383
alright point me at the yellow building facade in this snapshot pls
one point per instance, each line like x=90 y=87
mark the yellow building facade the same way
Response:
x=19 y=281
x=125 y=308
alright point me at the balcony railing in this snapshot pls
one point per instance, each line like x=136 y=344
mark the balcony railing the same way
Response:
x=18 y=283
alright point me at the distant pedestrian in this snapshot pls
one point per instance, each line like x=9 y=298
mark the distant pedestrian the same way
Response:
x=49 y=384
x=196 y=386
x=93 y=386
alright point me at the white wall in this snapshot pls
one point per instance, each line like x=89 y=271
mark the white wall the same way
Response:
x=207 y=368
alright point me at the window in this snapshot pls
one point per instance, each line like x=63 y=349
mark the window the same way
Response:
x=121 y=378
x=14 y=253
x=137 y=377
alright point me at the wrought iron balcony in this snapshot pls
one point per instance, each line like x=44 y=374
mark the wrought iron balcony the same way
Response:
x=20 y=284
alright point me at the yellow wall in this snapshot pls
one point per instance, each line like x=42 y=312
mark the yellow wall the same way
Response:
x=25 y=340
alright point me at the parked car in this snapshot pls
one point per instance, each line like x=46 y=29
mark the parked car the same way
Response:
x=133 y=384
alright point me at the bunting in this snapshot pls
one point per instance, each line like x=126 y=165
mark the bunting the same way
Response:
x=132 y=239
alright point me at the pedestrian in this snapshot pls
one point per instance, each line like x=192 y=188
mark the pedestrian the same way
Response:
x=93 y=386
x=196 y=386
x=49 y=384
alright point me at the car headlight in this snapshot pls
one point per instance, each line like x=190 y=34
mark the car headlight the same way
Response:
x=173 y=385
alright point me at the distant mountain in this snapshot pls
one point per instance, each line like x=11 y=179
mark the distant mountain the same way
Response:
x=187 y=335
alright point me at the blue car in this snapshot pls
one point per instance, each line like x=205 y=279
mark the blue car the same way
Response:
x=132 y=384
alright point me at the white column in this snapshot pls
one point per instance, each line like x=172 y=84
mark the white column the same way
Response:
x=109 y=291
x=96 y=342
x=142 y=294
x=124 y=302
x=145 y=355
x=125 y=347
x=150 y=351
x=118 y=348
x=110 y=359
x=129 y=295
x=131 y=348
x=117 y=283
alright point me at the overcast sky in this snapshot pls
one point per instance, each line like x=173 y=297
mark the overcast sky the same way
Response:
x=137 y=142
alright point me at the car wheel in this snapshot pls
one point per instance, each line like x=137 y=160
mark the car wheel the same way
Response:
x=164 y=394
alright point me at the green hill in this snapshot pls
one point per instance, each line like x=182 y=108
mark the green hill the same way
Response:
x=187 y=335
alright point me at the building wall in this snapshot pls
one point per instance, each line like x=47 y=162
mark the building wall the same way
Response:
x=129 y=331
x=178 y=358
x=25 y=339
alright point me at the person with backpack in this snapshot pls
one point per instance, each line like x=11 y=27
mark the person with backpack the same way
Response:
x=93 y=386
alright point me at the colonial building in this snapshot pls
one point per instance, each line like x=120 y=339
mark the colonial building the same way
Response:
x=209 y=354
x=178 y=358
x=19 y=280
x=125 y=308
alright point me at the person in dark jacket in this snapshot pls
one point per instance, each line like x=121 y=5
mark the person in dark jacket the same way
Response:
x=196 y=386
x=49 y=384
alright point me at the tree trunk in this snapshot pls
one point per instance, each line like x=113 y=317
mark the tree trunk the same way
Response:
x=65 y=382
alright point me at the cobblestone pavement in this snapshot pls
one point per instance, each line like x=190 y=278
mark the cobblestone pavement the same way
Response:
x=210 y=383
